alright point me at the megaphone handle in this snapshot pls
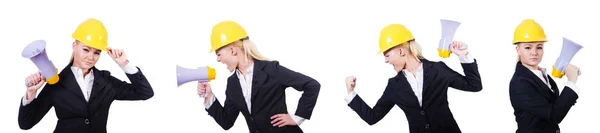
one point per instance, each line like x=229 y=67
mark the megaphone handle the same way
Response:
x=28 y=84
x=463 y=47
x=579 y=72
x=202 y=95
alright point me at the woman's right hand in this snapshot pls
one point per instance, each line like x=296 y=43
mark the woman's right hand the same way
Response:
x=37 y=81
x=204 y=88
x=350 y=83
x=572 y=72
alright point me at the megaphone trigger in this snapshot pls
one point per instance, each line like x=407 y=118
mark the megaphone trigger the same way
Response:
x=28 y=84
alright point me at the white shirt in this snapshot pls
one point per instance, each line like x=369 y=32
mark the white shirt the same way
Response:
x=246 y=84
x=416 y=81
x=86 y=83
x=542 y=71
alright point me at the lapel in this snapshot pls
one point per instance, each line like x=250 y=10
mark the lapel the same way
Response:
x=98 y=85
x=259 y=77
x=236 y=92
x=553 y=85
x=540 y=85
x=70 y=82
x=406 y=93
x=429 y=73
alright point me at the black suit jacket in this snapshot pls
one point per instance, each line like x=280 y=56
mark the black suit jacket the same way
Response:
x=75 y=115
x=434 y=116
x=268 y=98
x=537 y=109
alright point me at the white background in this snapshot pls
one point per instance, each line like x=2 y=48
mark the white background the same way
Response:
x=327 y=40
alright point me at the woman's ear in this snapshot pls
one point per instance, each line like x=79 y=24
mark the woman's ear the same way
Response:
x=233 y=51
x=401 y=51
x=517 y=48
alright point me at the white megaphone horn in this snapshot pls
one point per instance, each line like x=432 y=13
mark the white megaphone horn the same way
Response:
x=448 y=30
x=569 y=49
x=201 y=74
x=36 y=52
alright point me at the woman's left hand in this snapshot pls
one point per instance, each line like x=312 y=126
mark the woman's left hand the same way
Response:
x=280 y=120
x=118 y=56
x=455 y=48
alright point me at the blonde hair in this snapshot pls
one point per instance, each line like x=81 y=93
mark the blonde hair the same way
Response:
x=73 y=53
x=249 y=49
x=414 y=48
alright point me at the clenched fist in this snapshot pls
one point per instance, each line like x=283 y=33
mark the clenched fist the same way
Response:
x=350 y=83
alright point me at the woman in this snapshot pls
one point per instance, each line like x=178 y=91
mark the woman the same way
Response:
x=539 y=108
x=420 y=87
x=83 y=95
x=257 y=88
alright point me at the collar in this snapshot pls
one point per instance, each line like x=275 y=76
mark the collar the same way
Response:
x=419 y=69
x=79 y=72
x=249 y=70
x=539 y=70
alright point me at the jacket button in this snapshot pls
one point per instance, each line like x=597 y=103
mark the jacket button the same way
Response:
x=426 y=126
x=87 y=121
x=251 y=119
x=557 y=131
x=422 y=112
x=257 y=131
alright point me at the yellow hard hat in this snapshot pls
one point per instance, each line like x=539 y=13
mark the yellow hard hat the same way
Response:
x=392 y=36
x=225 y=33
x=529 y=31
x=92 y=33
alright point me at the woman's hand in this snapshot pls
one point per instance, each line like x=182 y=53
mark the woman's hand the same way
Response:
x=36 y=80
x=204 y=88
x=280 y=120
x=456 y=48
x=572 y=72
x=118 y=55
x=350 y=83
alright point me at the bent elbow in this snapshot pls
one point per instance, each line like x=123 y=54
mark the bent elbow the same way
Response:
x=371 y=123
x=147 y=95
x=226 y=126
x=25 y=126
x=477 y=88
x=316 y=86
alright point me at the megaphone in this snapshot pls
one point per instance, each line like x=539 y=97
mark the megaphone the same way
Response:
x=36 y=52
x=202 y=74
x=569 y=49
x=448 y=29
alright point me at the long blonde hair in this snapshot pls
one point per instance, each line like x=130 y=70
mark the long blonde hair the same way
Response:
x=249 y=49
x=73 y=53
x=414 y=48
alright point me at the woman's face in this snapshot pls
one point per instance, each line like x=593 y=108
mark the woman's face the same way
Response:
x=228 y=56
x=396 y=57
x=531 y=53
x=85 y=57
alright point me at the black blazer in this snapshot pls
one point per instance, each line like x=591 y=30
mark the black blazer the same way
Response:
x=537 y=109
x=75 y=115
x=268 y=98
x=434 y=116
